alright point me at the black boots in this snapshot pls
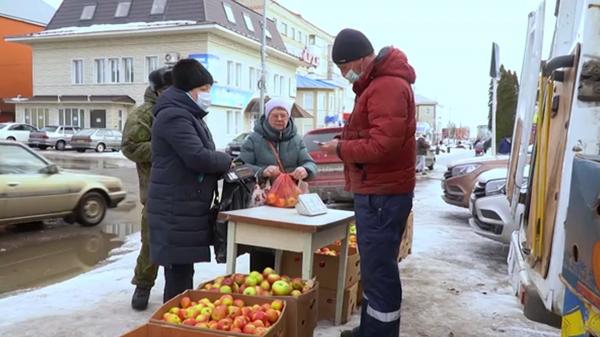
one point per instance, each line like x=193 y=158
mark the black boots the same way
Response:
x=140 y=298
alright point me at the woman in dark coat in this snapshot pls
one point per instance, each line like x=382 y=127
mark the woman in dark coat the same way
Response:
x=277 y=128
x=185 y=171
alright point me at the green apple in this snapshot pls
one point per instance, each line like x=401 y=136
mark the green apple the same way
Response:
x=281 y=288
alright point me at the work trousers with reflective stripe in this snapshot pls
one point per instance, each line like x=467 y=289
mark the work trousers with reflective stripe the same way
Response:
x=380 y=223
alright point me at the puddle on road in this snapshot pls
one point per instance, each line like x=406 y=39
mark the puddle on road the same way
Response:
x=40 y=255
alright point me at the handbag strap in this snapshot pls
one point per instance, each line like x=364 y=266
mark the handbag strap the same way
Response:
x=281 y=167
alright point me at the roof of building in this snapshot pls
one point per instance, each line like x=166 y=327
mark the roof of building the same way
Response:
x=422 y=100
x=73 y=98
x=70 y=12
x=303 y=82
x=32 y=11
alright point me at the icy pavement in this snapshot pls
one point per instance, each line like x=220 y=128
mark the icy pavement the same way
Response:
x=454 y=284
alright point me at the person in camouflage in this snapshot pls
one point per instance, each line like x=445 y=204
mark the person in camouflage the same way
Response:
x=136 y=146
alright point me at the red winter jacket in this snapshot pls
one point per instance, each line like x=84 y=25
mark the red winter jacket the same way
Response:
x=377 y=145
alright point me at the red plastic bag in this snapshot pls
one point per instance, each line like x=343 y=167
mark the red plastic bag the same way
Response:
x=284 y=192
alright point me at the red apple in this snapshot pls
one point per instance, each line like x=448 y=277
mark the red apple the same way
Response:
x=272 y=315
x=258 y=316
x=224 y=324
x=266 y=307
x=238 y=303
x=277 y=305
x=190 y=321
x=236 y=330
x=234 y=311
x=272 y=278
x=228 y=282
x=239 y=322
x=202 y=325
x=185 y=302
x=249 y=329
x=181 y=314
x=261 y=331
x=259 y=324
x=246 y=312
x=213 y=325
x=219 y=313
x=239 y=279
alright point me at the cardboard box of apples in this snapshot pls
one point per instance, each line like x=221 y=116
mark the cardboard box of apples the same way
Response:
x=223 y=314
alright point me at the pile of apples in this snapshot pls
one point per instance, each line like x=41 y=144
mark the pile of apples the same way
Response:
x=225 y=314
x=267 y=283
x=351 y=243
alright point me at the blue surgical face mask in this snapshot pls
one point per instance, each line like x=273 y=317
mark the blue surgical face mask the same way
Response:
x=351 y=76
x=203 y=100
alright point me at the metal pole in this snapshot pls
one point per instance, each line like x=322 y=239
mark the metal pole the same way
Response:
x=494 y=108
x=263 y=53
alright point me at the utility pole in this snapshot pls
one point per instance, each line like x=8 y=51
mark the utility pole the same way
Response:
x=262 y=84
x=495 y=75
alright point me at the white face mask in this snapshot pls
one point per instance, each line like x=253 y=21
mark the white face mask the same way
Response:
x=351 y=76
x=203 y=100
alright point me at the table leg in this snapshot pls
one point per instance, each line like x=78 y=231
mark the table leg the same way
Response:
x=231 y=248
x=307 y=259
x=278 y=255
x=341 y=279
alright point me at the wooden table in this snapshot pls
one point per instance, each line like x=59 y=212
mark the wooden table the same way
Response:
x=284 y=229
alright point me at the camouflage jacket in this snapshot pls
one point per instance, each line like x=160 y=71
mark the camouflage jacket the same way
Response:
x=136 y=143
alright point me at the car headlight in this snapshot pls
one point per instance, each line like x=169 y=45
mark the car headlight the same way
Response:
x=494 y=187
x=461 y=170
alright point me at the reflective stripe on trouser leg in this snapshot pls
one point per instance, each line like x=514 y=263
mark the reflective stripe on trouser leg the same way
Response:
x=380 y=221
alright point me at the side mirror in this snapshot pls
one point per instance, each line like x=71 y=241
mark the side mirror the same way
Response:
x=50 y=169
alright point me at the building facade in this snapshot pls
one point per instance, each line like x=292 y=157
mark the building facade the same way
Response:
x=90 y=67
x=18 y=18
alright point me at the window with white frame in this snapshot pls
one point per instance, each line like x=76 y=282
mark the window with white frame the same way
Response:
x=38 y=117
x=299 y=36
x=88 y=12
x=251 y=79
x=321 y=101
x=309 y=100
x=71 y=117
x=127 y=69
x=284 y=28
x=234 y=122
x=114 y=70
x=230 y=72
x=238 y=75
x=276 y=88
x=292 y=87
x=100 y=70
x=77 y=72
x=281 y=85
x=158 y=7
x=151 y=64
x=293 y=33
x=248 y=22
x=228 y=12
x=122 y=9
x=331 y=103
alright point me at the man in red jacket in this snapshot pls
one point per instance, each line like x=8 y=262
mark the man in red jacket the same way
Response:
x=378 y=148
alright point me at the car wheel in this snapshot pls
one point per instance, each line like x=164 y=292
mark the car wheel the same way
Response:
x=11 y=138
x=91 y=210
x=81 y=150
x=100 y=147
x=43 y=147
x=60 y=145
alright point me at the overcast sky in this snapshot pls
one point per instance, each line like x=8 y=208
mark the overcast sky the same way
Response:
x=447 y=42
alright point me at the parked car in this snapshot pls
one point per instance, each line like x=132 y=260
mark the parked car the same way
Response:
x=490 y=208
x=461 y=176
x=34 y=189
x=16 y=131
x=329 y=182
x=96 y=139
x=57 y=136
x=234 y=147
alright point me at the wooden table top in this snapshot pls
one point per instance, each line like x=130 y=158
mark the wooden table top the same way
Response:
x=288 y=218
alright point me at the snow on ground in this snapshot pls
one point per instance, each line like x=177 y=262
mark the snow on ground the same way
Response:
x=454 y=284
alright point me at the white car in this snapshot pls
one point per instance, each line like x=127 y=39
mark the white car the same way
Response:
x=16 y=131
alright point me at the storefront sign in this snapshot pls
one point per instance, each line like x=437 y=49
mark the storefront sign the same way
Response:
x=310 y=58
x=230 y=97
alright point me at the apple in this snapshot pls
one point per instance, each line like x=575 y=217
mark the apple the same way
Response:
x=203 y=318
x=272 y=315
x=213 y=325
x=204 y=300
x=277 y=305
x=174 y=310
x=206 y=311
x=239 y=279
x=217 y=302
x=258 y=276
x=258 y=316
x=268 y=271
x=214 y=289
x=281 y=288
x=286 y=278
x=181 y=314
x=219 y=279
x=193 y=304
x=265 y=285
x=238 y=303
x=250 y=291
x=228 y=282
x=208 y=286
x=297 y=283
x=227 y=300
x=249 y=329
x=272 y=278
x=236 y=330
x=185 y=302
x=251 y=281
x=265 y=307
x=235 y=288
x=234 y=311
x=259 y=324
x=172 y=318
x=219 y=313
x=260 y=331
x=190 y=321
x=296 y=293
x=256 y=308
x=202 y=325
x=224 y=324
x=191 y=312
x=239 y=322
x=246 y=312
x=225 y=290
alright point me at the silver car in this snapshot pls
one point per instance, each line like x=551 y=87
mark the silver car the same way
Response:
x=96 y=139
x=57 y=136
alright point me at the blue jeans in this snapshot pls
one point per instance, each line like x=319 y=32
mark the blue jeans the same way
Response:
x=380 y=223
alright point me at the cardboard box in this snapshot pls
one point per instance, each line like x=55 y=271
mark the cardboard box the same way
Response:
x=327 y=301
x=276 y=330
x=325 y=267
x=156 y=330
x=302 y=312
x=359 y=293
x=407 y=239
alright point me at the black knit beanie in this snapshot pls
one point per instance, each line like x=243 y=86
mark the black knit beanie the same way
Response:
x=160 y=78
x=350 y=45
x=189 y=74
